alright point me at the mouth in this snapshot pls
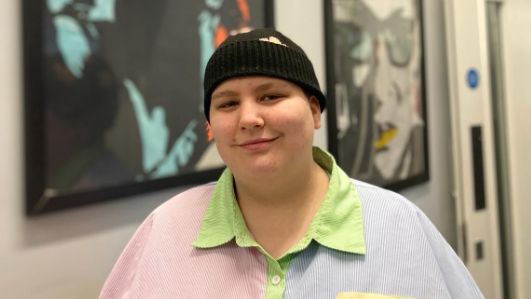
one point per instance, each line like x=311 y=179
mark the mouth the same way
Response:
x=255 y=144
x=386 y=133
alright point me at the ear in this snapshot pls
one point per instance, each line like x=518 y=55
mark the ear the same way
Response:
x=315 y=107
x=208 y=130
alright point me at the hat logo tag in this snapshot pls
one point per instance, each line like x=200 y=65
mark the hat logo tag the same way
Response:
x=273 y=40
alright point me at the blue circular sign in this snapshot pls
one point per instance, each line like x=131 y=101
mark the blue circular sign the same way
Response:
x=472 y=78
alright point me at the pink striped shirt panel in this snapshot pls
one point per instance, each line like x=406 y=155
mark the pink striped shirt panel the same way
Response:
x=160 y=261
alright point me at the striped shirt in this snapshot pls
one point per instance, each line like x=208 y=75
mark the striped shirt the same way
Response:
x=364 y=242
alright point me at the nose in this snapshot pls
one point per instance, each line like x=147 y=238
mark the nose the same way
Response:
x=250 y=116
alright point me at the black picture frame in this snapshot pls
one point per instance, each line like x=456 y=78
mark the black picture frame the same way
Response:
x=376 y=85
x=113 y=97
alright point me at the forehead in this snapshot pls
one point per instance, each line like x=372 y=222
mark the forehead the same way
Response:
x=246 y=83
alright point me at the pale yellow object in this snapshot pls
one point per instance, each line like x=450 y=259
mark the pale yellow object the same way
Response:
x=384 y=140
x=353 y=295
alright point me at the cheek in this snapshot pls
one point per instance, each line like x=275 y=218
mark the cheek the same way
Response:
x=221 y=130
x=222 y=139
x=299 y=125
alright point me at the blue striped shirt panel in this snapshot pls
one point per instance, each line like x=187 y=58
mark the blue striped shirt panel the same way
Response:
x=406 y=256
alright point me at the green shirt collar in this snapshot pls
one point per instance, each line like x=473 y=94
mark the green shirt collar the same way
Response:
x=338 y=224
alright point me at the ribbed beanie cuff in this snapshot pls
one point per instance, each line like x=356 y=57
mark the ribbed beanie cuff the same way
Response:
x=260 y=52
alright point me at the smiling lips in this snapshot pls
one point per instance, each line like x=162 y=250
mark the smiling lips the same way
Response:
x=256 y=144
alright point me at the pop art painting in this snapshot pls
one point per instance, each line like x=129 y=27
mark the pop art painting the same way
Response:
x=375 y=71
x=113 y=95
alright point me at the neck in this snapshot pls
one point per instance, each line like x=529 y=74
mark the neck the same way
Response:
x=279 y=211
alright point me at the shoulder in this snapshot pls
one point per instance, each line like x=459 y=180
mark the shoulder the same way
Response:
x=390 y=217
x=163 y=239
x=383 y=200
x=185 y=207
x=189 y=198
x=398 y=233
x=387 y=213
x=174 y=224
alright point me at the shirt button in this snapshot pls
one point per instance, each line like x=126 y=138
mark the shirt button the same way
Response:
x=275 y=279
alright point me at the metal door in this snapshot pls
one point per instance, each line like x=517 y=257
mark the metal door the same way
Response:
x=473 y=142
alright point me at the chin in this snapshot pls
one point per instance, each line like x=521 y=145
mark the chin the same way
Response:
x=254 y=168
x=262 y=167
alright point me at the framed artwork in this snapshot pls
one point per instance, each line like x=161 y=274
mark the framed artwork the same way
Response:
x=113 y=95
x=376 y=88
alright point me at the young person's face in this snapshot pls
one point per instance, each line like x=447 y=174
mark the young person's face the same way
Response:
x=262 y=124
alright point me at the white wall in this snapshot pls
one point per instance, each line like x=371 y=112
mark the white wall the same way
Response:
x=434 y=197
x=517 y=60
x=68 y=254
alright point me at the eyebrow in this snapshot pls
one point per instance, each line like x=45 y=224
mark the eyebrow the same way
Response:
x=265 y=86
x=223 y=93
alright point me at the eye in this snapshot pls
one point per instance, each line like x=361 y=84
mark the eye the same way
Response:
x=227 y=104
x=271 y=97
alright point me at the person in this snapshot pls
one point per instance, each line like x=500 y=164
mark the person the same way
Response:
x=283 y=220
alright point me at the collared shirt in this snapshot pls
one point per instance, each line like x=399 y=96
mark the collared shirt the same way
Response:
x=364 y=242
x=338 y=223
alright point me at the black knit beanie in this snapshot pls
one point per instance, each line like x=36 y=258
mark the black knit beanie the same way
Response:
x=260 y=52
